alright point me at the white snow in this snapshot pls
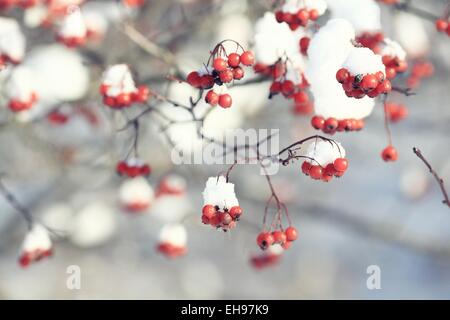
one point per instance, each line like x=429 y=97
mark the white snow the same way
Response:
x=73 y=25
x=364 y=15
x=120 y=80
x=393 y=49
x=324 y=152
x=20 y=84
x=219 y=193
x=12 y=41
x=174 y=234
x=37 y=239
x=363 y=61
x=136 y=190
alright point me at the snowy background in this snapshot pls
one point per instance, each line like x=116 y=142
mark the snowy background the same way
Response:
x=385 y=214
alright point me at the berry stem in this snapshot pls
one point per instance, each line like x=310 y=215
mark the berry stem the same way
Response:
x=439 y=180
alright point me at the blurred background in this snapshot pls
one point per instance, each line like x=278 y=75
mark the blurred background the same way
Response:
x=385 y=214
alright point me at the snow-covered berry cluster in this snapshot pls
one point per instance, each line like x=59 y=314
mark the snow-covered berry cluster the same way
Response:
x=396 y=111
x=73 y=31
x=220 y=206
x=332 y=125
x=298 y=13
x=363 y=74
x=136 y=195
x=281 y=237
x=36 y=246
x=443 y=25
x=21 y=90
x=172 y=240
x=119 y=90
x=371 y=40
x=325 y=160
x=222 y=68
x=394 y=58
x=12 y=42
x=133 y=167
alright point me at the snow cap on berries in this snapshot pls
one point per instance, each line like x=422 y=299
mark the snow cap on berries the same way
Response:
x=136 y=194
x=12 y=41
x=35 y=246
x=73 y=24
x=171 y=184
x=364 y=15
x=174 y=234
x=274 y=40
x=327 y=51
x=119 y=79
x=324 y=152
x=363 y=61
x=20 y=84
x=292 y=6
x=393 y=49
x=219 y=192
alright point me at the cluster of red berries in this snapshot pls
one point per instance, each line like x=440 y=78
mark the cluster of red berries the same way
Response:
x=27 y=258
x=317 y=172
x=396 y=111
x=358 y=86
x=333 y=125
x=124 y=99
x=443 y=25
x=420 y=70
x=132 y=170
x=394 y=66
x=295 y=20
x=304 y=45
x=24 y=4
x=371 y=40
x=389 y=154
x=16 y=105
x=283 y=238
x=225 y=219
x=225 y=69
x=264 y=260
x=71 y=42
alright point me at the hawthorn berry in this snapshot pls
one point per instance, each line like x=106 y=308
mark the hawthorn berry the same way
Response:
x=193 y=79
x=226 y=76
x=279 y=237
x=340 y=164
x=234 y=60
x=441 y=25
x=209 y=211
x=235 y=212
x=369 y=82
x=238 y=73
x=291 y=234
x=304 y=45
x=225 y=100
x=220 y=64
x=212 y=98
x=318 y=122
x=316 y=172
x=330 y=125
x=247 y=58
x=287 y=88
x=306 y=167
x=342 y=75
x=264 y=240
x=389 y=154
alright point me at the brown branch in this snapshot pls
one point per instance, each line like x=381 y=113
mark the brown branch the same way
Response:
x=439 y=180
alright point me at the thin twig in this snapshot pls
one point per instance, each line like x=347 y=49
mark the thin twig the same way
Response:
x=439 y=180
x=12 y=200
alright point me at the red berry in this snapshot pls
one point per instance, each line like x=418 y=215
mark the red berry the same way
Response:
x=306 y=166
x=369 y=82
x=219 y=64
x=235 y=212
x=123 y=99
x=205 y=219
x=279 y=16
x=301 y=97
x=226 y=76
x=142 y=94
x=212 y=98
x=318 y=122
x=330 y=125
x=286 y=245
x=313 y=14
x=291 y=234
x=193 y=79
x=287 y=88
x=279 y=237
x=342 y=75
x=384 y=87
x=234 y=60
x=103 y=88
x=391 y=73
x=304 y=45
x=316 y=172
x=209 y=211
x=441 y=25
x=303 y=16
x=247 y=58
x=448 y=29
x=330 y=170
x=109 y=101
x=238 y=73
x=206 y=81
x=275 y=87
x=264 y=240
x=389 y=154
x=225 y=218
x=380 y=76
x=225 y=100
x=340 y=164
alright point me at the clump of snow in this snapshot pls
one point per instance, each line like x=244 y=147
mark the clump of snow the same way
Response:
x=119 y=79
x=328 y=50
x=219 y=192
x=12 y=41
x=136 y=191
x=393 y=49
x=363 y=61
x=174 y=234
x=20 y=85
x=73 y=25
x=37 y=239
x=275 y=40
x=364 y=15
x=324 y=152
